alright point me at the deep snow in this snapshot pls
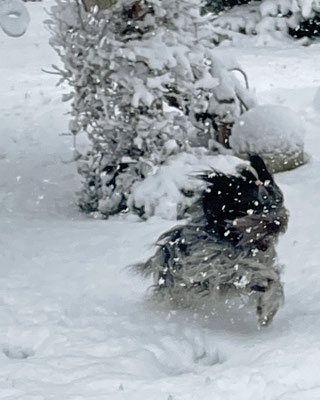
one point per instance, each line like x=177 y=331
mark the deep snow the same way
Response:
x=74 y=321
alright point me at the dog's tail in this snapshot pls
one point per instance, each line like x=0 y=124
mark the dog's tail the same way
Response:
x=164 y=253
x=144 y=268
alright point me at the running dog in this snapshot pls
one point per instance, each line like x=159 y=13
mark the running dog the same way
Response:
x=228 y=247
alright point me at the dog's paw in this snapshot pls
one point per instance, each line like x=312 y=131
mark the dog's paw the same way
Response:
x=265 y=316
x=269 y=302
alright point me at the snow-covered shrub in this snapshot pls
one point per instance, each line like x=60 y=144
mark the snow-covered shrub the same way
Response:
x=14 y=17
x=274 y=132
x=267 y=21
x=174 y=187
x=309 y=28
x=145 y=85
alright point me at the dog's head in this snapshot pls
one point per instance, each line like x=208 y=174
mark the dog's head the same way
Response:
x=245 y=209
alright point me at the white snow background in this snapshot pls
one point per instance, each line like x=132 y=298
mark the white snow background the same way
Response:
x=74 y=321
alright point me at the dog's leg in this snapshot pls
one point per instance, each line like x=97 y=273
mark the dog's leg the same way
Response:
x=269 y=302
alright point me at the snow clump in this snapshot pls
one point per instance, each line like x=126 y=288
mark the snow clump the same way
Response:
x=174 y=187
x=14 y=17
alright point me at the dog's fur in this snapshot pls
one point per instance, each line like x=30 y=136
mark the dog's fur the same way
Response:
x=228 y=248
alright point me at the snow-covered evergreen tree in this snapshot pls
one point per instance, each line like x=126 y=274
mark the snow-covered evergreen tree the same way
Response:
x=145 y=85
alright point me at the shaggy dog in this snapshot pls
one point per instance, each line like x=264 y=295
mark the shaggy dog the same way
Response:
x=228 y=247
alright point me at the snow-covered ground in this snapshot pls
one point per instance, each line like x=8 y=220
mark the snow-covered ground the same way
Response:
x=74 y=321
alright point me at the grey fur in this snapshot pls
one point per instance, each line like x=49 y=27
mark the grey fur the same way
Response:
x=192 y=265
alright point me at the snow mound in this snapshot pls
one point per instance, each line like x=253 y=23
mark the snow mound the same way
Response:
x=273 y=131
x=14 y=17
x=173 y=187
x=268 y=129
